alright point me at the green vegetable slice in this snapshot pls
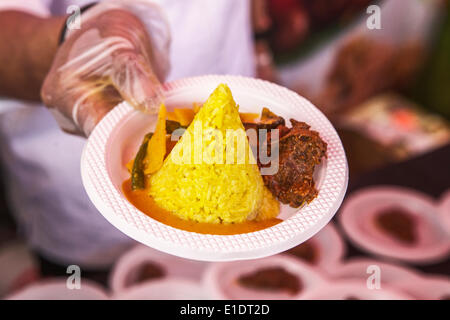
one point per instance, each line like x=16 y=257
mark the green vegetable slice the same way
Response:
x=137 y=172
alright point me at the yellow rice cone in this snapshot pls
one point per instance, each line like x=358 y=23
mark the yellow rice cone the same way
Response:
x=207 y=177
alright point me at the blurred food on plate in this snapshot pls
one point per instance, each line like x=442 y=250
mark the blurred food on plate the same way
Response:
x=142 y=264
x=397 y=125
x=396 y=223
x=276 y=277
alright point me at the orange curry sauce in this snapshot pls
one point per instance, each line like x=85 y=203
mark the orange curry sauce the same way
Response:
x=145 y=203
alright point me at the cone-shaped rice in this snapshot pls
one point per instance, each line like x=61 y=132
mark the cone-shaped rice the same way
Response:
x=207 y=177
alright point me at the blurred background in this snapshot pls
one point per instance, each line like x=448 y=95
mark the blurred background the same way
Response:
x=387 y=92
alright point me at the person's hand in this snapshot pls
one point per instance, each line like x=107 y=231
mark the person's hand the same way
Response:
x=108 y=60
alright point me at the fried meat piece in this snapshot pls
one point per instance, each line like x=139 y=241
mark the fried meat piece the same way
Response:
x=300 y=150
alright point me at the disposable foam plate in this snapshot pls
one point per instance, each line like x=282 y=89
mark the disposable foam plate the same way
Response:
x=172 y=266
x=116 y=138
x=356 y=218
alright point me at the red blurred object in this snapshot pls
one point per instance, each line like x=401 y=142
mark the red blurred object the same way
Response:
x=290 y=23
x=26 y=278
x=323 y=12
x=293 y=20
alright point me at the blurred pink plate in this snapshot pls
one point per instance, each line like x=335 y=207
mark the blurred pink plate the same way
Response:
x=128 y=265
x=444 y=209
x=222 y=279
x=164 y=289
x=362 y=268
x=116 y=138
x=427 y=288
x=360 y=209
x=56 y=289
x=353 y=290
x=328 y=246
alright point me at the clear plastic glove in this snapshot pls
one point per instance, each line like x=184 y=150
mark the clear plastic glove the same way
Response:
x=110 y=59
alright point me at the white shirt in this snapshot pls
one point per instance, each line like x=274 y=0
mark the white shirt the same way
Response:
x=41 y=164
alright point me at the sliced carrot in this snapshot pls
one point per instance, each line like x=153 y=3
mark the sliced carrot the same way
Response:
x=172 y=116
x=196 y=106
x=156 y=148
x=184 y=115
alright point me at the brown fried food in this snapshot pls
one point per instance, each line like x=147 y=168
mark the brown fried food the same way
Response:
x=300 y=150
x=272 y=279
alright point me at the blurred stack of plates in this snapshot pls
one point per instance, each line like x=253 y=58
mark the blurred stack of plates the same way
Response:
x=401 y=227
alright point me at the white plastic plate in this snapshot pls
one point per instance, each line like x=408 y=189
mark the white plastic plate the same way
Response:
x=116 y=138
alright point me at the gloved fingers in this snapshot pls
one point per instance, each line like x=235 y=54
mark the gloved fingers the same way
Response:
x=133 y=77
x=84 y=107
x=80 y=91
x=93 y=105
x=110 y=60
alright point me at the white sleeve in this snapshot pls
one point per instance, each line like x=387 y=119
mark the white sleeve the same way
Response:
x=36 y=7
x=156 y=24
